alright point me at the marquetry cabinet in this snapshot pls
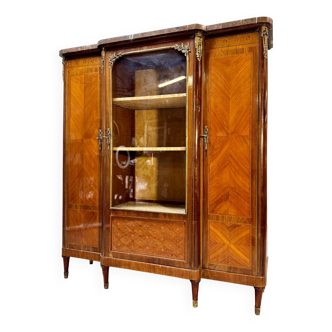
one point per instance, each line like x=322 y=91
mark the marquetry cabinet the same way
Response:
x=165 y=153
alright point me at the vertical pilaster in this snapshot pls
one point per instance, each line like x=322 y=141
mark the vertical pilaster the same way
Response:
x=197 y=89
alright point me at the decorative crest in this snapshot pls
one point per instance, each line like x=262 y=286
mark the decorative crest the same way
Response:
x=185 y=49
x=113 y=58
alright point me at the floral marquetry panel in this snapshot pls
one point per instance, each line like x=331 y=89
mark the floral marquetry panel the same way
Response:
x=151 y=238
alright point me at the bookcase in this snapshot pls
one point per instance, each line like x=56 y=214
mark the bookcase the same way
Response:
x=165 y=153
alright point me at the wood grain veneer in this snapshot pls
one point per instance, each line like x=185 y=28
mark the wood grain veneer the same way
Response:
x=231 y=92
x=82 y=176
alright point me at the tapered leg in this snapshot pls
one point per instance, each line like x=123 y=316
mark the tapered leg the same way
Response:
x=258 y=299
x=65 y=266
x=91 y=262
x=194 y=288
x=105 y=274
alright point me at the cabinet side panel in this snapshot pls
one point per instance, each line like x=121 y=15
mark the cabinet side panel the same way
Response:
x=230 y=164
x=82 y=158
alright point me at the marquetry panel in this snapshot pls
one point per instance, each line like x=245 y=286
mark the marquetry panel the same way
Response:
x=151 y=238
x=230 y=179
x=84 y=118
x=82 y=157
x=229 y=244
x=83 y=62
x=247 y=38
x=229 y=157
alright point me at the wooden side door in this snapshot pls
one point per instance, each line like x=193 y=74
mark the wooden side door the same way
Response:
x=231 y=103
x=82 y=158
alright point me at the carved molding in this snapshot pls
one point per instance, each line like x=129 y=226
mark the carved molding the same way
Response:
x=199 y=45
x=265 y=36
x=185 y=49
x=113 y=58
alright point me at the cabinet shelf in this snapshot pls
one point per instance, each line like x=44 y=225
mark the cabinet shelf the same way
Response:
x=152 y=102
x=151 y=207
x=150 y=149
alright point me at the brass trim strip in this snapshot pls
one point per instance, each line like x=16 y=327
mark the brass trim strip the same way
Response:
x=265 y=36
x=199 y=45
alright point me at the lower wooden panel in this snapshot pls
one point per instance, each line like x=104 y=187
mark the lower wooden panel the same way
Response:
x=234 y=278
x=152 y=268
x=92 y=256
x=82 y=230
x=151 y=238
x=229 y=244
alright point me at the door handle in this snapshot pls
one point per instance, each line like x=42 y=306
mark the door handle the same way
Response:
x=108 y=138
x=205 y=137
x=100 y=139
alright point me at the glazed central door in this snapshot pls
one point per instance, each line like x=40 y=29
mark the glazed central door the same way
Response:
x=82 y=218
x=147 y=162
x=230 y=162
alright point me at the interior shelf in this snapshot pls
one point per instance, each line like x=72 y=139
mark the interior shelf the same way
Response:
x=151 y=207
x=152 y=102
x=150 y=149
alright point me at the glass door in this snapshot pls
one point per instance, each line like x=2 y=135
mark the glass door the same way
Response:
x=149 y=130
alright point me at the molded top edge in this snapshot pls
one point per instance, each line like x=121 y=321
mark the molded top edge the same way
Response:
x=176 y=30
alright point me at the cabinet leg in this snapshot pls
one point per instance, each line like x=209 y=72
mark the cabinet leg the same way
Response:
x=91 y=262
x=65 y=266
x=258 y=299
x=194 y=288
x=105 y=275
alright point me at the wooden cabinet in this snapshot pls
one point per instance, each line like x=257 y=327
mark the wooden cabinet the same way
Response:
x=165 y=153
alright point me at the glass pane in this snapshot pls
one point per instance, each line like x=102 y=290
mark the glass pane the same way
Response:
x=148 y=157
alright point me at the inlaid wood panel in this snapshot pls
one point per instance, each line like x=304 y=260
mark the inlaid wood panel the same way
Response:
x=83 y=146
x=230 y=165
x=230 y=244
x=152 y=238
x=229 y=157
x=246 y=38
x=82 y=156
